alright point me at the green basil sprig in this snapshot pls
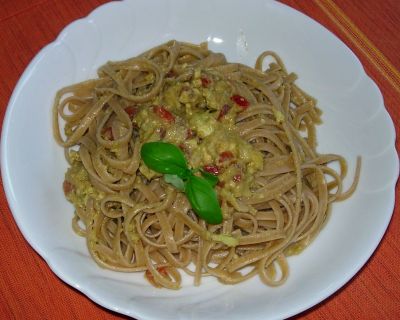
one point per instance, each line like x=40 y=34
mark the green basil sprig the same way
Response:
x=168 y=159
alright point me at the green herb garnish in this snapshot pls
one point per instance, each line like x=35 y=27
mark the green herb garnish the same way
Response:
x=169 y=160
x=164 y=158
x=211 y=179
x=203 y=199
x=175 y=181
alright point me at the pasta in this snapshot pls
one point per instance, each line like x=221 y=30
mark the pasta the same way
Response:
x=252 y=128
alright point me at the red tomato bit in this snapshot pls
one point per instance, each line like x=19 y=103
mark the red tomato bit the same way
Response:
x=164 y=113
x=226 y=155
x=241 y=101
x=163 y=271
x=149 y=276
x=170 y=74
x=224 y=110
x=221 y=184
x=182 y=147
x=205 y=82
x=211 y=169
x=67 y=187
x=190 y=134
x=107 y=133
x=131 y=111
x=237 y=177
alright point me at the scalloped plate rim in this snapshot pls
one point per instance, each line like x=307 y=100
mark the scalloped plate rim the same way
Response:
x=70 y=279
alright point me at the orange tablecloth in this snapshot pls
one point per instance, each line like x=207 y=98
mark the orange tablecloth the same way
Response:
x=28 y=288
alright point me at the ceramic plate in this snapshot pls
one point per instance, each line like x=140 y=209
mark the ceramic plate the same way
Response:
x=355 y=123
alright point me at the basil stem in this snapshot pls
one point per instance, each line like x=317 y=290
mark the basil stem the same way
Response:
x=203 y=199
x=175 y=181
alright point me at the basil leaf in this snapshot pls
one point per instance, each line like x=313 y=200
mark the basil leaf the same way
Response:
x=211 y=179
x=164 y=157
x=175 y=181
x=203 y=199
x=168 y=159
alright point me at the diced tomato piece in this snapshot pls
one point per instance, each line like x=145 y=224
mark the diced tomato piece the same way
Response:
x=149 y=276
x=67 y=187
x=182 y=147
x=131 y=111
x=221 y=184
x=170 y=74
x=237 y=177
x=224 y=110
x=107 y=133
x=163 y=271
x=205 y=82
x=190 y=134
x=164 y=113
x=211 y=169
x=226 y=155
x=241 y=101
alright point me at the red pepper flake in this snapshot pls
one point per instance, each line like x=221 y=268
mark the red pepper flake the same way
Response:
x=190 y=134
x=224 y=110
x=241 y=101
x=221 y=184
x=108 y=134
x=170 y=74
x=149 y=276
x=163 y=271
x=205 y=82
x=67 y=187
x=182 y=147
x=237 y=177
x=131 y=111
x=211 y=169
x=164 y=113
x=226 y=155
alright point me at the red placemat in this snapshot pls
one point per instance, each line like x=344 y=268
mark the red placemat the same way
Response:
x=28 y=288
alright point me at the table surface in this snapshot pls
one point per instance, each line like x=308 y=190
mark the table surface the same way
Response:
x=29 y=289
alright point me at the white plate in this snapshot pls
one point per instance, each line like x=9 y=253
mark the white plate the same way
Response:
x=355 y=123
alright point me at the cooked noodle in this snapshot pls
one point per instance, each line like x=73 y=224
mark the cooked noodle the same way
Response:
x=134 y=221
